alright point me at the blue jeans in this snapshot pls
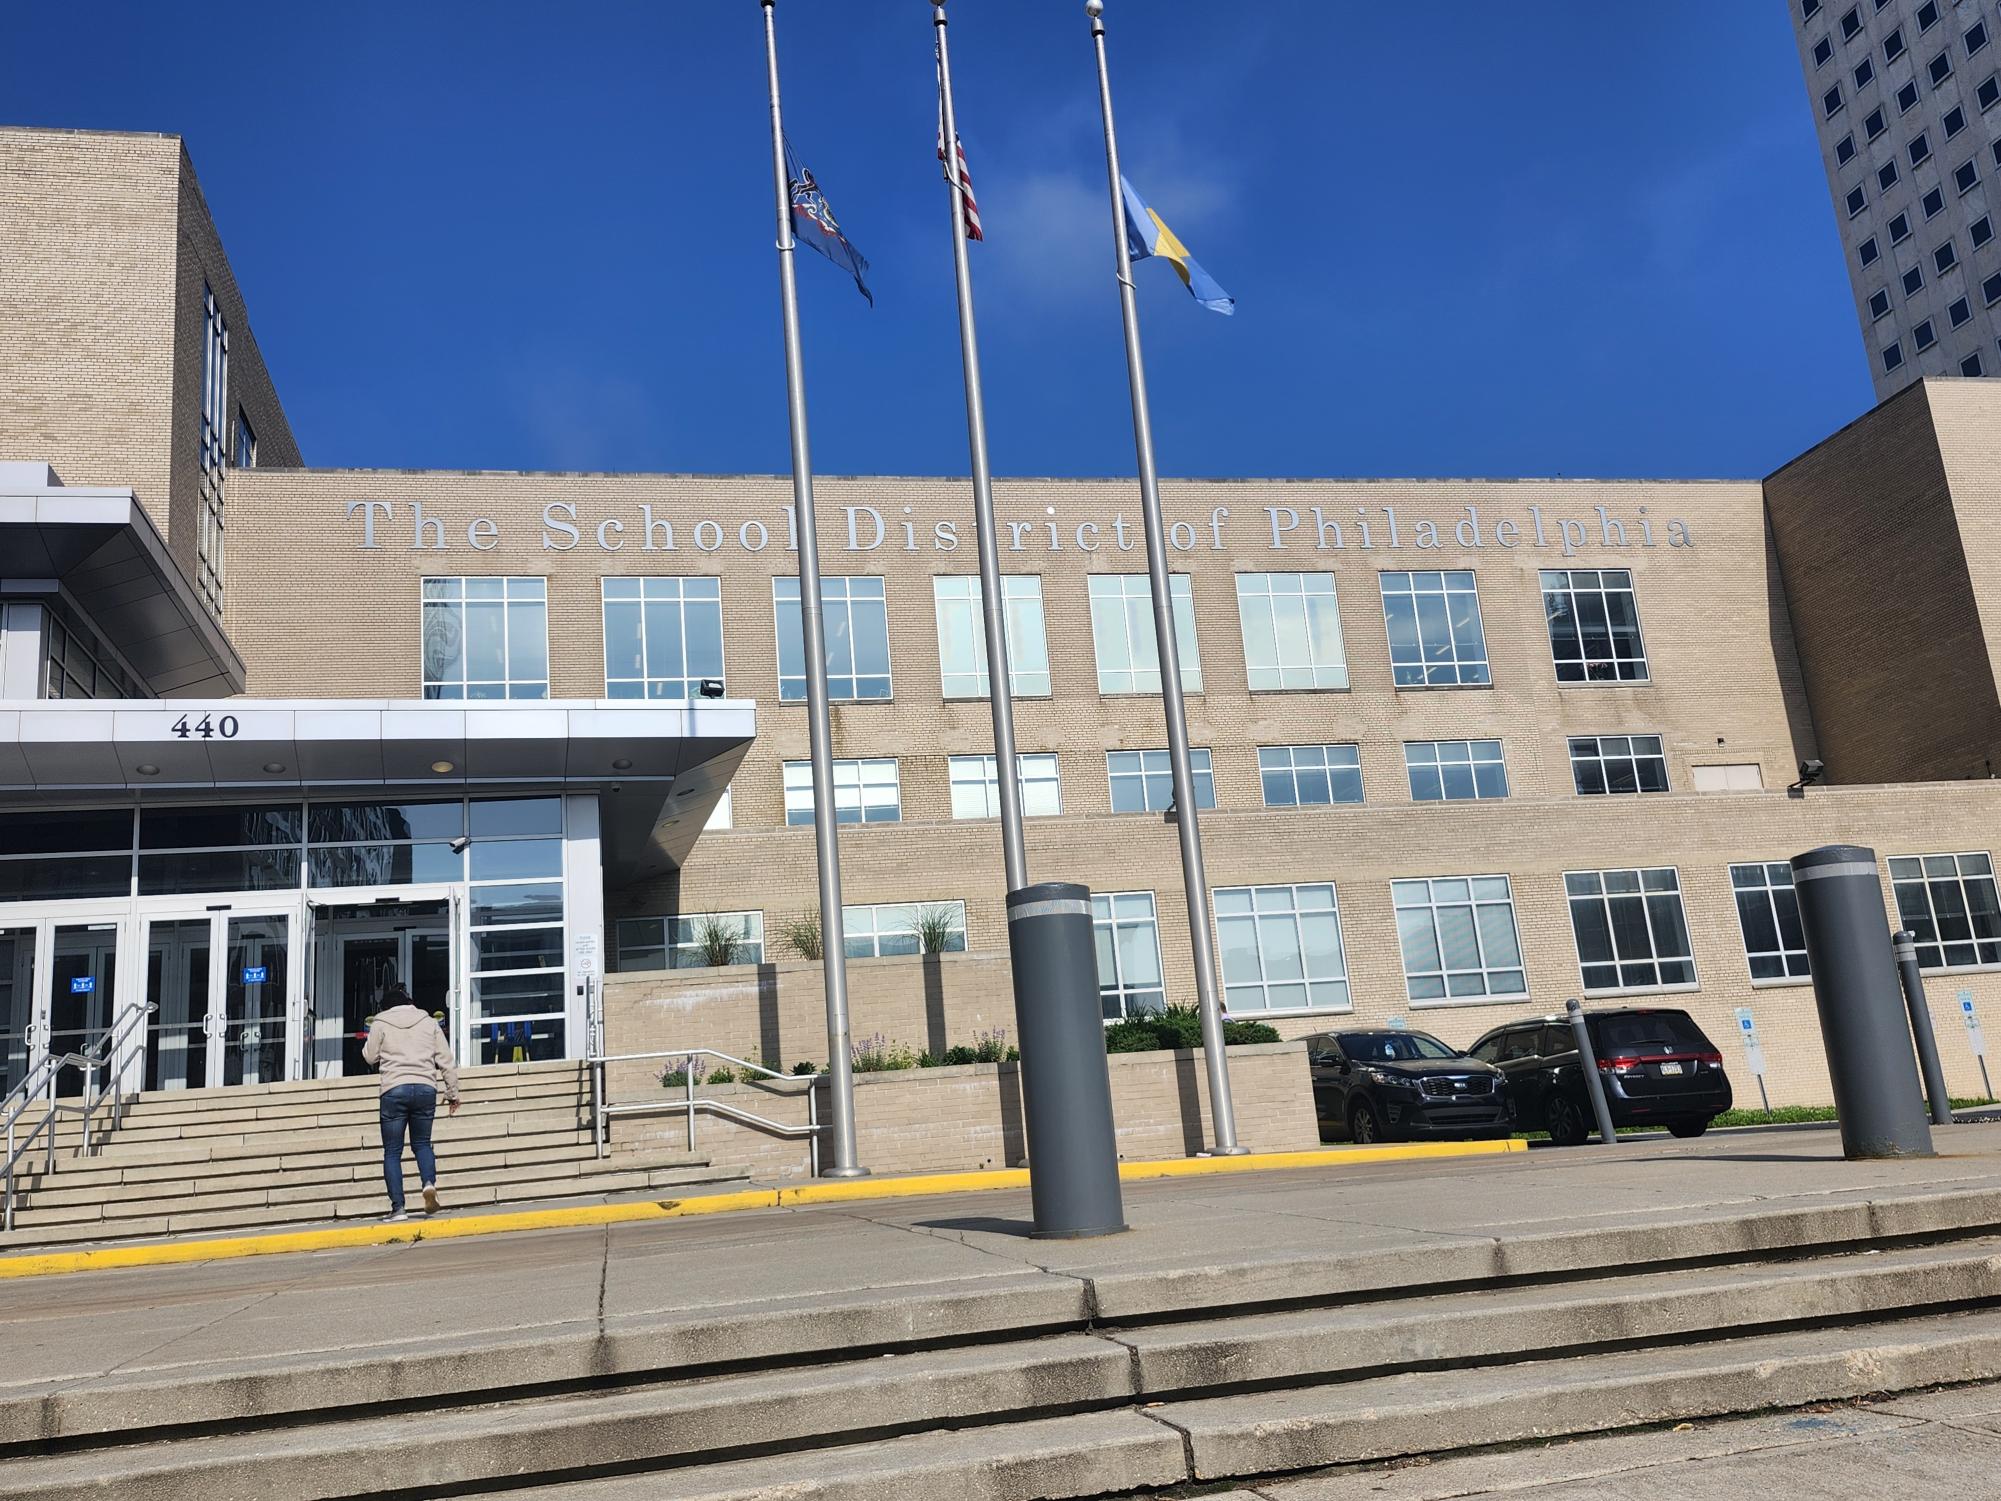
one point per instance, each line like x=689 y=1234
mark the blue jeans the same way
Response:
x=414 y=1106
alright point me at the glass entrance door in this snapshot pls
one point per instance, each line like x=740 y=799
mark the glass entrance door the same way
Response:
x=413 y=951
x=82 y=977
x=250 y=1034
x=177 y=972
x=221 y=984
x=17 y=1004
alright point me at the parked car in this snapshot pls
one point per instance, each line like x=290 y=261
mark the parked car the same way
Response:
x=1388 y=1084
x=1658 y=1069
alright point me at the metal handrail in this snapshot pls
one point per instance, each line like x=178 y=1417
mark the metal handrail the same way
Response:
x=602 y=1109
x=94 y=1060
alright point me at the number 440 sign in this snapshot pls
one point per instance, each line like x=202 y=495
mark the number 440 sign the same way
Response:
x=208 y=727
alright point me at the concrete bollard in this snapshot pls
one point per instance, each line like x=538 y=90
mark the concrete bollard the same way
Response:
x=1856 y=991
x=1905 y=943
x=1066 y=1084
x=1594 y=1082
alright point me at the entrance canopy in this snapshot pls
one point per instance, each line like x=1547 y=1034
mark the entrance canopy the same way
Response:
x=658 y=770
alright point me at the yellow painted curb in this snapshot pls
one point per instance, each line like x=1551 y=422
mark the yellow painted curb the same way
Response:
x=823 y=1191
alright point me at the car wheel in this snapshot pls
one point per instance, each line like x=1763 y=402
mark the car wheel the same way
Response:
x=1566 y=1122
x=1364 y=1127
x=1688 y=1128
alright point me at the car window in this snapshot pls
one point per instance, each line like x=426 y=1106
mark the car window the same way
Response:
x=1393 y=1047
x=1488 y=1048
x=1321 y=1049
x=1519 y=1043
x=1558 y=1039
x=1648 y=1034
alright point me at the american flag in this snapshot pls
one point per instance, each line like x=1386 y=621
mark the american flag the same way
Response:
x=965 y=186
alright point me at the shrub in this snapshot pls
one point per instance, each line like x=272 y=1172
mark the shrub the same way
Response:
x=927 y=1059
x=802 y=1070
x=991 y=1047
x=801 y=933
x=719 y=940
x=1178 y=1027
x=1135 y=1034
x=675 y=1075
x=935 y=928
x=960 y=1054
x=878 y=1055
x=721 y=1076
x=1235 y=1033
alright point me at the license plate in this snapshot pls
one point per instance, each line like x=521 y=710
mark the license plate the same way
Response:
x=1670 y=1068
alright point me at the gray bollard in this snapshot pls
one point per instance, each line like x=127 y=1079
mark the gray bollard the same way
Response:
x=1066 y=1084
x=1855 y=989
x=1594 y=1083
x=1905 y=944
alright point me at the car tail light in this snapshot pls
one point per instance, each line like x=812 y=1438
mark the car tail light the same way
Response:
x=1618 y=1065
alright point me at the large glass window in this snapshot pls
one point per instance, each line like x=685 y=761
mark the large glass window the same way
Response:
x=1281 y=949
x=1949 y=903
x=209 y=552
x=693 y=940
x=1292 y=630
x=1630 y=929
x=75 y=665
x=1768 y=913
x=1452 y=771
x=1143 y=781
x=888 y=928
x=1436 y=638
x=515 y=862
x=1122 y=631
x=1617 y=764
x=1301 y=776
x=1458 y=938
x=864 y=791
x=195 y=849
x=976 y=786
x=962 y=636
x=1128 y=938
x=486 y=638
x=662 y=636
x=1594 y=625
x=69 y=853
x=856 y=614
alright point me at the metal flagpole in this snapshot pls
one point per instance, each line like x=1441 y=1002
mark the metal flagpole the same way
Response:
x=1222 y=1113
x=833 y=939
x=992 y=605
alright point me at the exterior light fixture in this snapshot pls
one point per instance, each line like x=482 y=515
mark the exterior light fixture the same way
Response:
x=147 y=769
x=441 y=767
x=1810 y=773
x=623 y=763
x=712 y=687
x=274 y=767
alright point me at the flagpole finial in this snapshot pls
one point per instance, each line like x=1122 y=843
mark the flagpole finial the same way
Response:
x=1094 y=8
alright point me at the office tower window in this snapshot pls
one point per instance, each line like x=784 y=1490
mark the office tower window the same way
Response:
x=1122 y=632
x=976 y=786
x=1768 y=915
x=889 y=928
x=1939 y=68
x=1886 y=178
x=1844 y=149
x=1966 y=175
x=1831 y=101
x=1893 y=44
x=1851 y=23
x=486 y=638
x=1455 y=771
x=1614 y=765
x=1292 y=630
x=1961 y=312
x=1128 y=944
x=865 y=791
x=1996 y=149
x=1976 y=37
x=1923 y=336
x=1809 y=9
x=1920 y=149
x=1907 y=98
x=214 y=418
x=1945 y=257
x=1989 y=92
x=1630 y=928
x=246 y=443
x=1933 y=203
x=1949 y=903
x=1280 y=948
x=1990 y=290
x=1879 y=303
x=1822 y=51
x=1893 y=356
x=1458 y=938
x=1868 y=251
x=1305 y=776
x=1865 y=71
x=1594 y=625
x=693 y=940
x=1914 y=280
x=1435 y=633
x=1981 y=232
x=1927 y=16
x=1971 y=365
x=662 y=636
x=1900 y=229
x=962 y=636
x=856 y=616
x=1873 y=123
x=1953 y=121
x=1143 y=781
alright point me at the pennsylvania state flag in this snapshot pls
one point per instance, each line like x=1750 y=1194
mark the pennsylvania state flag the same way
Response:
x=1147 y=234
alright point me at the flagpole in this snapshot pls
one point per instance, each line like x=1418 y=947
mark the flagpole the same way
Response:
x=841 y=1156
x=1014 y=855
x=1222 y=1112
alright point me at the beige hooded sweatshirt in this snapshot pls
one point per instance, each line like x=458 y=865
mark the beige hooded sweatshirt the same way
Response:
x=409 y=1047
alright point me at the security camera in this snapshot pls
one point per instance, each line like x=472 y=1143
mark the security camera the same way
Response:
x=459 y=844
x=712 y=687
x=1810 y=773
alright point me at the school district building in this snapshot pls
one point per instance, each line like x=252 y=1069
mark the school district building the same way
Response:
x=273 y=736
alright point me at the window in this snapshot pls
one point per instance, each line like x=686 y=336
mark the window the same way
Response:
x=1949 y=903
x=1630 y=929
x=1923 y=336
x=1458 y=938
x=214 y=409
x=1306 y=776
x=1831 y=101
x=486 y=638
x=1966 y=175
x=1822 y=51
x=1990 y=289
x=1996 y=149
x=1768 y=915
x=76 y=664
x=1927 y=16
x=1143 y=782
x=976 y=786
x=1436 y=638
x=1914 y=280
x=1292 y=630
x=1873 y=124
x=1122 y=631
x=1976 y=37
x=1879 y=303
x=1939 y=68
x=1945 y=257
x=1128 y=943
x=1865 y=71
x=1971 y=364
x=1893 y=44
x=1868 y=251
x=1907 y=98
x=1933 y=203
x=246 y=443
x=1954 y=121
x=1960 y=312
x=1893 y=356
x=1851 y=23
x=1989 y=92
x=1844 y=149
x=1809 y=9
x=1727 y=776
x=962 y=636
x=891 y=928
x=1455 y=771
x=662 y=636
x=1886 y=178
x=1981 y=232
x=857 y=625
x=1615 y=764
x=1280 y=949
x=865 y=791
x=1900 y=229
x=1920 y=149
x=1594 y=625
x=695 y=940
x=1859 y=200
x=720 y=816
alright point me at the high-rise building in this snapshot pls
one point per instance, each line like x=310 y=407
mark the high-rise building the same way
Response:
x=1904 y=95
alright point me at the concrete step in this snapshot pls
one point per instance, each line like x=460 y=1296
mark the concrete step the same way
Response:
x=220 y=1146
x=197 y=1128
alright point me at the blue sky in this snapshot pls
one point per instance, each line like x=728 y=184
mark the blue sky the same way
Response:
x=1465 y=239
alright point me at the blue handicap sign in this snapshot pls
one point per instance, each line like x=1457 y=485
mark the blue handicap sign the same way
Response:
x=82 y=984
x=256 y=974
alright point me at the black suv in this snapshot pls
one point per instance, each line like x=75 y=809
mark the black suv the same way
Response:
x=1380 y=1085
x=1658 y=1068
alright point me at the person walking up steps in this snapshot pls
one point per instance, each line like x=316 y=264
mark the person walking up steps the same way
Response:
x=409 y=1049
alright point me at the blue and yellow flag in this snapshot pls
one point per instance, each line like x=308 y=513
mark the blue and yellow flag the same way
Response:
x=1147 y=234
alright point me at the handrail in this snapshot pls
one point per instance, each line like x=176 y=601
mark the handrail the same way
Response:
x=98 y=1057
x=602 y=1110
